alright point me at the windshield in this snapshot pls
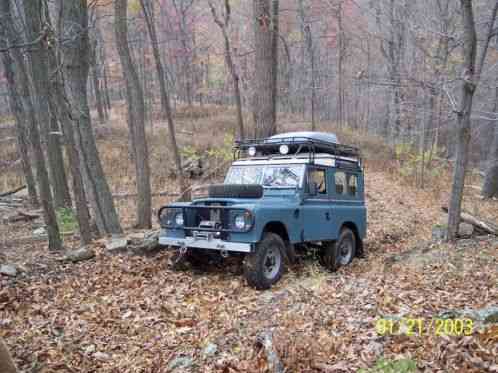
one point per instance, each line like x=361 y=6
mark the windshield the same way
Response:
x=277 y=176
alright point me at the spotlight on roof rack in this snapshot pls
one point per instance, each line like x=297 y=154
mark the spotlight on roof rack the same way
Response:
x=252 y=151
x=283 y=149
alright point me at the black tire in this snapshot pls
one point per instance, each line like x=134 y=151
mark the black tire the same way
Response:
x=264 y=267
x=235 y=191
x=339 y=253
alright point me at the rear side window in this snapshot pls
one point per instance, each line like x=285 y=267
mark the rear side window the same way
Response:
x=341 y=187
x=352 y=185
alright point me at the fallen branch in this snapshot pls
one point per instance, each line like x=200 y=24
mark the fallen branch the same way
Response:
x=21 y=216
x=265 y=340
x=485 y=226
x=14 y=191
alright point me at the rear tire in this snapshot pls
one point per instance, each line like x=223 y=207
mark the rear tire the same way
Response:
x=339 y=253
x=264 y=267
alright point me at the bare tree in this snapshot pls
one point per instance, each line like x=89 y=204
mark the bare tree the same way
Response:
x=165 y=98
x=9 y=36
x=471 y=76
x=36 y=14
x=224 y=25
x=308 y=41
x=464 y=121
x=136 y=115
x=490 y=185
x=73 y=31
x=21 y=128
x=94 y=61
x=264 y=68
x=59 y=105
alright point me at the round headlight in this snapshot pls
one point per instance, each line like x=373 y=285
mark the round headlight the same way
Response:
x=252 y=151
x=179 y=219
x=284 y=149
x=240 y=222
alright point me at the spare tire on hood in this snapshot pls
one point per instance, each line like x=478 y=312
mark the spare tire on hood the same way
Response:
x=235 y=191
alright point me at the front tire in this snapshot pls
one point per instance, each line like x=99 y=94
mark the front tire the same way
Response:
x=264 y=267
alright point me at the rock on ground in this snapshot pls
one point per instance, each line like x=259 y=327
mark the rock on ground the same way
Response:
x=8 y=270
x=116 y=244
x=465 y=230
x=180 y=363
x=79 y=255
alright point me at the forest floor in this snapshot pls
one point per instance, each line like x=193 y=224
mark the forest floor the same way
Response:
x=129 y=313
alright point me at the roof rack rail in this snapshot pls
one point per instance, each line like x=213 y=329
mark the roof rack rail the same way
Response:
x=296 y=144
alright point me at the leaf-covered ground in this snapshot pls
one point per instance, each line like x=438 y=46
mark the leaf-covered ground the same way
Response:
x=133 y=314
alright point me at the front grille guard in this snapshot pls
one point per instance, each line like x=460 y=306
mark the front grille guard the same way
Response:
x=224 y=218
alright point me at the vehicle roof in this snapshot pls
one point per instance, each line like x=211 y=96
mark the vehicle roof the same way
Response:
x=321 y=159
x=320 y=136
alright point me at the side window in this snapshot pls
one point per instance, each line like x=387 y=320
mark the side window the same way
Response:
x=319 y=178
x=340 y=183
x=352 y=185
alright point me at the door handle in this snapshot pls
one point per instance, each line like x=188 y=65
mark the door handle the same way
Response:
x=327 y=215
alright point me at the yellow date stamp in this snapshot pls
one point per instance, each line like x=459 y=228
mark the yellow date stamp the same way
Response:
x=424 y=327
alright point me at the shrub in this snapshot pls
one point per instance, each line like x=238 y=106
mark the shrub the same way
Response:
x=392 y=366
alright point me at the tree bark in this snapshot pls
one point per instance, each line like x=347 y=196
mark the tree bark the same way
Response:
x=464 y=118
x=274 y=47
x=136 y=114
x=35 y=18
x=490 y=185
x=8 y=34
x=21 y=130
x=165 y=99
x=60 y=106
x=223 y=25
x=96 y=85
x=264 y=103
x=73 y=29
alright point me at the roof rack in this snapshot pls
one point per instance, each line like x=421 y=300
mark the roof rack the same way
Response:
x=296 y=144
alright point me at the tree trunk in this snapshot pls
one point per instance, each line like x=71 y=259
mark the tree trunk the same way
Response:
x=136 y=114
x=74 y=29
x=165 y=99
x=60 y=106
x=8 y=34
x=464 y=118
x=490 y=185
x=230 y=63
x=82 y=213
x=6 y=363
x=35 y=18
x=96 y=89
x=264 y=103
x=21 y=130
x=274 y=48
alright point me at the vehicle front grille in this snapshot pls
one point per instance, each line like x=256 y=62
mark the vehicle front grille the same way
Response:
x=206 y=217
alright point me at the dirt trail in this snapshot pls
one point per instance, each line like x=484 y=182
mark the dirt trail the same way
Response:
x=130 y=314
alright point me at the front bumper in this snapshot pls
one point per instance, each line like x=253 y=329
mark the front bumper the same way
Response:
x=211 y=244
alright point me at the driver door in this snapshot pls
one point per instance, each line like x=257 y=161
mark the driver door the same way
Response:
x=316 y=205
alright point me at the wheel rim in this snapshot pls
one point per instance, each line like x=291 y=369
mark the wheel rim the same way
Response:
x=271 y=263
x=345 y=251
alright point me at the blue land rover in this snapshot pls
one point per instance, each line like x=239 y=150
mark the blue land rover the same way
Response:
x=282 y=195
